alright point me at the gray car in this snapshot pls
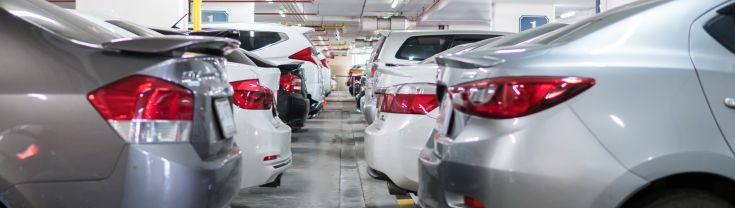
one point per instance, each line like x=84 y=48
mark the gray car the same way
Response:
x=631 y=108
x=92 y=119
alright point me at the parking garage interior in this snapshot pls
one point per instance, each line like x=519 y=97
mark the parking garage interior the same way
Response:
x=367 y=103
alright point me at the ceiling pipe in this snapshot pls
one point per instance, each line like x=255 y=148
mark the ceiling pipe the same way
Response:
x=286 y=13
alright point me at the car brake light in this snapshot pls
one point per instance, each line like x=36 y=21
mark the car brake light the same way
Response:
x=304 y=55
x=250 y=95
x=373 y=69
x=472 y=202
x=290 y=83
x=512 y=97
x=270 y=157
x=414 y=98
x=145 y=109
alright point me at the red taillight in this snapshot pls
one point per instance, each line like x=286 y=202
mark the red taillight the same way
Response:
x=250 y=95
x=146 y=109
x=472 y=202
x=304 y=55
x=511 y=97
x=324 y=63
x=270 y=157
x=290 y=83
x=373 y=69
x=417 y=98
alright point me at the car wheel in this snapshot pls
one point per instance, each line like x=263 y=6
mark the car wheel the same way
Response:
x=681 y=198
x=376 y=174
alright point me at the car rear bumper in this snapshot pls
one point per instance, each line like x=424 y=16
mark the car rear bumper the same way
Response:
x=545 y=160
x=156 y=175
x=260 y=135
x=293 y=108
x=369 y=111
x=392 y=146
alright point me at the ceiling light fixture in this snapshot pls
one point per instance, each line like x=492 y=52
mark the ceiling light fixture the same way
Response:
x=395 y=4
x=281 y=13
x=568 y=14
x=270 y=1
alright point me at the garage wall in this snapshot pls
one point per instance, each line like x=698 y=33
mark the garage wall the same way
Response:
x=340 y=66
x=158 y=13
x=507 y=15
x=611 y=4
x=239 y=12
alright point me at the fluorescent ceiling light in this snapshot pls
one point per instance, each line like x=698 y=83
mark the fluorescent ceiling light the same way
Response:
x=270 y=1
x=568 y=14
x=395 y=4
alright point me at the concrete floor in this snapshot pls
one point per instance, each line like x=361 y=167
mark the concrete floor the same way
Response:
x=328 y=168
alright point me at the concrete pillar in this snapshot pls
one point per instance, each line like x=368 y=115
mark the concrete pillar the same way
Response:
x=239 y=12
x=340 y=66
x=157 y=13
x=506 y=15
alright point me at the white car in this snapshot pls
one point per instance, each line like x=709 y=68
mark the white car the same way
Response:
x=404 y=122
x=399 y=48
x=264 y=139
x=397 y=133
x=282 y=45
x=327 y=80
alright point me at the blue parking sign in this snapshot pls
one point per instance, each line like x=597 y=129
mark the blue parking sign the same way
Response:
x=532 y=21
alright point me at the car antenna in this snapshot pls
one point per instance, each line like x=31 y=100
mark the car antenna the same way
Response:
x=177 y=22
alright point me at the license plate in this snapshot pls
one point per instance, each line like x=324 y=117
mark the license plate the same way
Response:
x=223 y=107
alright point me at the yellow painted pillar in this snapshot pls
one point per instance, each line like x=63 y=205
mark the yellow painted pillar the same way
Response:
x=196 y=14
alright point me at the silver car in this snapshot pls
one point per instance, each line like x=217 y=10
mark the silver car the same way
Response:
x=94 y=119
x=631 y=108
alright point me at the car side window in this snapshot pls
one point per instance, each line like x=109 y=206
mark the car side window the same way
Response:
x=722 y=27
x=418 y=48
x=254 y=40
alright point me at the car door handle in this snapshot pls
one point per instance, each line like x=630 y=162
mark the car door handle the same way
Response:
x=730 y=102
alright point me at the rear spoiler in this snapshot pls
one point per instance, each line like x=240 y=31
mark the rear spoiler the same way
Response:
x=173 y=45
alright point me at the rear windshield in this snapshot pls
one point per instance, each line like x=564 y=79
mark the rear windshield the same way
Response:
x=58 y=21
x=418 y=48
x=521 y=37
x=592 y=24
x=254 y=40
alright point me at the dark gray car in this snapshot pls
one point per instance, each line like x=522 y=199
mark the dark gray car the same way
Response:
x=91 y=119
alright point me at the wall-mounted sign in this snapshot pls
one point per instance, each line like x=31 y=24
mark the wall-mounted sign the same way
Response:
x=532 y=21
x=215 y=16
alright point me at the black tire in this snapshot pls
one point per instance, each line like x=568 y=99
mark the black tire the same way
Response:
x=682 y=198
x=377 y=174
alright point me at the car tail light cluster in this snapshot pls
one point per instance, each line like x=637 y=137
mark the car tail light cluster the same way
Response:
x=250 y=95
x=145 y=109
x=290 y=83
x=472 y=202
x=414 y=98
x=373 y=70
x=306 y=54
x=512 y=97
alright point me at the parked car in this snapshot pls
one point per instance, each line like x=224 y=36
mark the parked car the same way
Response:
x=630 y=108
x=398 y=48
x=92 y=118
x=263 y=137
x=407 y=113
x=282 y=45
x=327 y=80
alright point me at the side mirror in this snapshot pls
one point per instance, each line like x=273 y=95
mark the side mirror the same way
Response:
x=290 y=66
